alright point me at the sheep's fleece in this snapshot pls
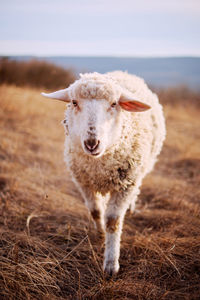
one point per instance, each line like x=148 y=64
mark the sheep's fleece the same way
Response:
x=110 y=183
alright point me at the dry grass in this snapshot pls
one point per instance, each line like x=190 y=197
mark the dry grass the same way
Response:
x=34 y=73
x=48 y=247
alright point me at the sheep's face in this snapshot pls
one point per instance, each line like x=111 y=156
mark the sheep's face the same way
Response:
x=93 y=125
x=93 y=117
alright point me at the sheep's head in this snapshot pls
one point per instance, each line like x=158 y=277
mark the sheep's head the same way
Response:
x=94 y=110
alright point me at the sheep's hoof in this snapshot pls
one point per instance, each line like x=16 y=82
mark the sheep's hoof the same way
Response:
x=111 y=268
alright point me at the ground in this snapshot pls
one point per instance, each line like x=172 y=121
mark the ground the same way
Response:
x=48 y=246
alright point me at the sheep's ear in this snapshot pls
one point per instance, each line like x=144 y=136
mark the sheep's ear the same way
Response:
x=62 y=95
x=132 y=105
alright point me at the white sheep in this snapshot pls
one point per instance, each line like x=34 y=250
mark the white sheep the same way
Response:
x=114 y=131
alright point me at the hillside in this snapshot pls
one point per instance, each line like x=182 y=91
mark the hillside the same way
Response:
x=157 y=71
x=48 y=246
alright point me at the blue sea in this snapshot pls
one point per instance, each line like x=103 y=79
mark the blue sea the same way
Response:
x=158 y=72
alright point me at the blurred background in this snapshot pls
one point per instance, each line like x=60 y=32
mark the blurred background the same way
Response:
x=159 y=41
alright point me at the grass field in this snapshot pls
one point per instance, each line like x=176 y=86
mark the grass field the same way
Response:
x=48 y=246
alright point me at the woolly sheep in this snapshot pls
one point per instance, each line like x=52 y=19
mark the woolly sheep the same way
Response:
x=114 y=130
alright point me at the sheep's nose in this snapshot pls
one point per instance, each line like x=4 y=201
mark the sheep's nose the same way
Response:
x=91 y=144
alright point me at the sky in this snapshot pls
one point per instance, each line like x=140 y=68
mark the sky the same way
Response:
x=100 y=27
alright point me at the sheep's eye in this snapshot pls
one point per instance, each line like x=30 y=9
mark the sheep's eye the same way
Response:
x=75 y=103
x=113 y=104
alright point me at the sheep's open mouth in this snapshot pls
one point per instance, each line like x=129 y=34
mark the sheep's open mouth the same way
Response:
x=91 y=153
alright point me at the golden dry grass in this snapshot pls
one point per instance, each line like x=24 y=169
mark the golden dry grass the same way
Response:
x=48 y=247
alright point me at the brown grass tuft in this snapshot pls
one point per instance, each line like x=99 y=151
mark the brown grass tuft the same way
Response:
x=48 y=247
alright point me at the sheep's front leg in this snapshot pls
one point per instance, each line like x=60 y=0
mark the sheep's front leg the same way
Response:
x=94 y=205
x=96 y=209
x=114 y=217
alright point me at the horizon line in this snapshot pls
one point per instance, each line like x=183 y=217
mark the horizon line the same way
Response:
x=102 y=55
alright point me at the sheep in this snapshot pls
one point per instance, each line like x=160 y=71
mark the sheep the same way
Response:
x=115 y=129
